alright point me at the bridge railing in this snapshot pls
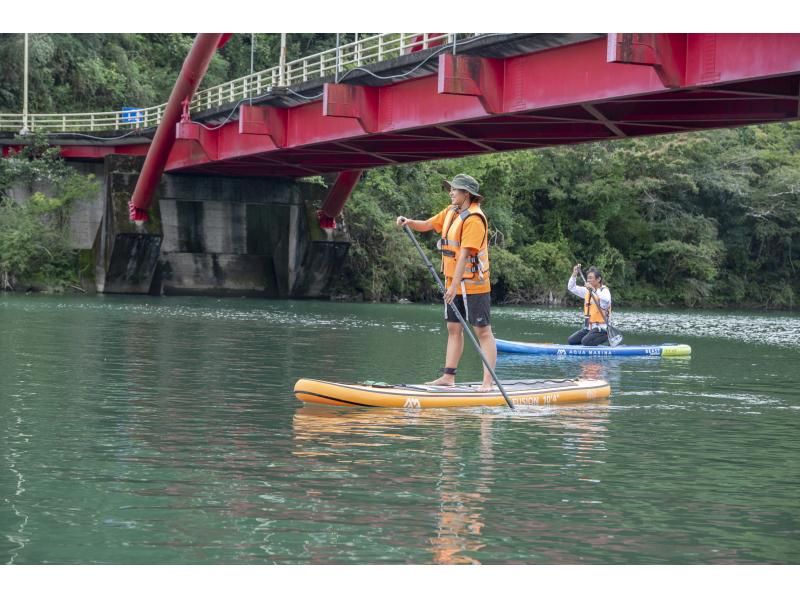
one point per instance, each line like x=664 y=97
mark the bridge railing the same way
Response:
x=131 y=118
x=344 y=57
x=367 y=50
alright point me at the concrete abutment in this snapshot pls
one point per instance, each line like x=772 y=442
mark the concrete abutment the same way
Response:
x=209 y=235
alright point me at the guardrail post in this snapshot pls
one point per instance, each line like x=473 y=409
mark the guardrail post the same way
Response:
x=338 y=58
x=380 y=48
x=282 y=62
x=91 y=122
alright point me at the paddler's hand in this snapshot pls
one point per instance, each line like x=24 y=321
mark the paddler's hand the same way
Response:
x=450 y=294
x=576 y=270
x=402 y=221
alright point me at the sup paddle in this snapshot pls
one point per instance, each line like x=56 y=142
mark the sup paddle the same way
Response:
x=614 y=335
x=489 y=368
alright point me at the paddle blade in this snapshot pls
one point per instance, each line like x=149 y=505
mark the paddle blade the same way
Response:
x=614 y=337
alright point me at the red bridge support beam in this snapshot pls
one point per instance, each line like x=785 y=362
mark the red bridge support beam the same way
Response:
x=192 y=72
x=540 y=93
x=352 y=101
x=473 y=76
x=337 y=197
x=665 y=52
x=204 y=140
x=264 y=120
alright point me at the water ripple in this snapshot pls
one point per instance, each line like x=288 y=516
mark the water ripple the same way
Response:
x=141 y=430
x=747 y=327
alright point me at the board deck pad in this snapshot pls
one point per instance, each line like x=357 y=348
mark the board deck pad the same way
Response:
x=419 y=396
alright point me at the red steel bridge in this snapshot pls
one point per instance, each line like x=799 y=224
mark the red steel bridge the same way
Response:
x=484 y=93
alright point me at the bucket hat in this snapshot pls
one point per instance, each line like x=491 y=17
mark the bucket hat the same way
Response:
x=465 y=182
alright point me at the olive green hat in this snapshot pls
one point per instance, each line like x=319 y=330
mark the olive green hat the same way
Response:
x=465 y=182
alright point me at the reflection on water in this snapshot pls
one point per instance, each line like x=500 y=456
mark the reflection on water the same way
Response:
x=545 y=366
x=593 y=370
x=15 y=534
x=139 y=430
x=660 y=325
x=459 y=521
x=463 y=474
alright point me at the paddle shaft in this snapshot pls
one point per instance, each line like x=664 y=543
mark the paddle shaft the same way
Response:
x=602 y=313
x=471 y=336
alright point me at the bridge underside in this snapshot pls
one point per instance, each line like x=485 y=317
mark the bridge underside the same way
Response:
x=607 y=87
x=589 y=91
x=735 y=105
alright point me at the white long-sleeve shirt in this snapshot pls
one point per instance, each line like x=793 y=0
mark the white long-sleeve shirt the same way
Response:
x=604 y=295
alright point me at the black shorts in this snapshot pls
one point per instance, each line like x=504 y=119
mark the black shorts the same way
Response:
x=477 y=312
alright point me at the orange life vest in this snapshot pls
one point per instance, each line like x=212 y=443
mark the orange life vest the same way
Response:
x=477 y=267
x=591 y=309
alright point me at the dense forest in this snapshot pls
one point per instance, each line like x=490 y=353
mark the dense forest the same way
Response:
x=82 y=72
x=702 y=219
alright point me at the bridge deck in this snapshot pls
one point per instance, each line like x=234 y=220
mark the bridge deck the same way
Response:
x=523 y=91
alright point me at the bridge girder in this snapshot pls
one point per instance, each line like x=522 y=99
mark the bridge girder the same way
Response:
x=628 y=85
x=625 y=85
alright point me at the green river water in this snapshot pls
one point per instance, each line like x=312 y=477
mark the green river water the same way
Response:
x=164 y=430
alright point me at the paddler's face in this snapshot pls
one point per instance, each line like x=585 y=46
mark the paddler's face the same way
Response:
x=592 y=281
x=458 y=197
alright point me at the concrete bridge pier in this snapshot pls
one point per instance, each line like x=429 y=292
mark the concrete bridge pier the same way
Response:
x=216 y=236
x=125 y=253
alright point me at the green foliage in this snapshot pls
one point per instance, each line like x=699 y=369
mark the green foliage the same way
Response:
x=382 y=263
x=535 y=275
x=32 y=250
x=708 y=218
x=510 y=275
x=91 y=72
x=34 y=243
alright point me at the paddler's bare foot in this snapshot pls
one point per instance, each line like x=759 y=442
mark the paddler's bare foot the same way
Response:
x=445 y=380
x=486 y=387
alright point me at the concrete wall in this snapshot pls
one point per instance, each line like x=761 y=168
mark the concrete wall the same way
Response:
x=208 y=236
x=215 y=240
x=87 y=215
x=126 y=254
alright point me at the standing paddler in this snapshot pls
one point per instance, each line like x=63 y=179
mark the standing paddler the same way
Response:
x=464 y=246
